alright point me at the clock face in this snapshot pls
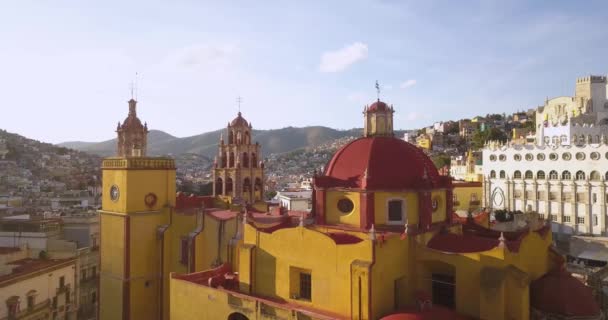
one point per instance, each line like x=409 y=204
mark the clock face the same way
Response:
x=114 y=193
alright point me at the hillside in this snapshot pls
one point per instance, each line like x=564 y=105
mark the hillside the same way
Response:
x=272 y=141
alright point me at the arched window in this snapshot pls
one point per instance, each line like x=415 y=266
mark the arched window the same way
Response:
x=606 y=176
x=224 y=156
x=517 y=174
x=492 y=174
x=540 y=175
x=246 y=185
x=553 y=175
x=219 y=185
x=228 y=186
x=529 y=174
x=245 y=160
x=566 y=175
x=502 y=174
x=595 y=176
x=580 y=175
x=254 y=160
x=231 y=160
x=231 y=137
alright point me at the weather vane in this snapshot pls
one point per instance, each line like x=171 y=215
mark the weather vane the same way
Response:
x=239 y=100
x=378 y=89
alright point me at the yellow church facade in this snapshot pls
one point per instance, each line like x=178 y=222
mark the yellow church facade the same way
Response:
x=380 y=243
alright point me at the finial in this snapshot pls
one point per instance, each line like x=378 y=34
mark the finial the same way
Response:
x=372 y=233
x=302 y=219
x=238 y=101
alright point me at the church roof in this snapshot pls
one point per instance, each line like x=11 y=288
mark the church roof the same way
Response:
x=239 y=121
x=380 y=163
x=378 y=106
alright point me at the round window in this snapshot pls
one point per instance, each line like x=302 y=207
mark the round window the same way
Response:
x=595 y=155
x=492 y=158
x=502 y=157
x=529 y=157
x=566 y=156
x=580 y=156
x=540 y=156
x=114 y=193
x=517 y=157
x=345 y=205
x=553 y=156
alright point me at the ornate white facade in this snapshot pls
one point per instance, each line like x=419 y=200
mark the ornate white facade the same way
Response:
x=566 y=184
x=580 y=119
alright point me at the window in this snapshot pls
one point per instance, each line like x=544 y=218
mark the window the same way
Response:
x=547 y=140
x=580 y=220
x=31 y=301
x=595 y=222
x=595 y=156
x=580 y=175
x=595 y=198
x=580 y=156
x=183 y=257
x=12 y=304
x=502 y=174
x=553 y=156
x=305 y=286
x=567 y=219
x=540 y=156
x=493 y=158
x=529 y=175
x=395 y=211
x=502 y=157
x=492 y=174
x=553 y=217
x=61 y=282
x=566 y=175
x=595 y=176
x=564 y=138
x=443 y=287
x=517 y=175
x=542 y=216
x=517 y=157
x=345 y=205
x=566 y=156
x=553 y=196
x=553 y=175
x=529 y=157
x=540 y=175
x=94 y=297
x=55 y=302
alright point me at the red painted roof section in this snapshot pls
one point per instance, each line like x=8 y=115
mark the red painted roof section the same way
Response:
x=344 y=238
x=558 y=292
x=239 y=121
x=390 y=163
x=184 y=201
x=434 y=313
x=6 y=250
x=378 y=106
x=450 y=242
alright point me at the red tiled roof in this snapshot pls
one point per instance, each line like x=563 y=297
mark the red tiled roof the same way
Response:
x=434 y=313
x=378 y=106
x=239 y=121
x=184 y=201
x=558 y=292
x=380 y=163
x=25 y=266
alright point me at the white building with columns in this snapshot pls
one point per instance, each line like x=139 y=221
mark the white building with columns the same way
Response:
x=565 y=184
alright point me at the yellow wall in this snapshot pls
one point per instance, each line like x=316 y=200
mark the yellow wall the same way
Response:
x=463 y=195
x=112 y=264
x=424 y=143
x=440 y=213
x=381 y=206
x=335 y=216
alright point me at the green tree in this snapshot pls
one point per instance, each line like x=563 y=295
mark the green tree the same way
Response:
x=441 y=160
x=481 y=137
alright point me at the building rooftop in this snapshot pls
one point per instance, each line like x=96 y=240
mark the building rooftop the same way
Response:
x=28 y=266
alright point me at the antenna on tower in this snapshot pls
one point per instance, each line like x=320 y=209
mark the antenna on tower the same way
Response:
x=238 y=101
x=136 y=87
x=378 y=89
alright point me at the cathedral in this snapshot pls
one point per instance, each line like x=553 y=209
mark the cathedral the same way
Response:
x=381 y=241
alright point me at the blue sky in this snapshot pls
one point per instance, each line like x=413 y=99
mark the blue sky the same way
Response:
x=66 y=66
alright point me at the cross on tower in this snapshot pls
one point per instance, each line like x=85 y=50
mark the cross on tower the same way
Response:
x=378 y=89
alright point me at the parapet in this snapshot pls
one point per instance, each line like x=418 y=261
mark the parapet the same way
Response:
x=591 y=79
x=138 y=163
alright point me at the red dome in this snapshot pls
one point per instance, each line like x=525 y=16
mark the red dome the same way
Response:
x=380 y=163
x=378 y=106
x=436 y=312
x=239 y=121
x=132 y=121
x=558 y=292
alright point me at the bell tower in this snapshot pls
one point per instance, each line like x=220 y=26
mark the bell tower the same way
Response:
x=378 y=120
x=137 y=199
x=238 y=173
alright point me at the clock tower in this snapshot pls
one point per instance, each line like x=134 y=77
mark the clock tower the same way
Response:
x=138 y=198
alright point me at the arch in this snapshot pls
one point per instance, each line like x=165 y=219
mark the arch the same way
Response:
x=553 y=175
x=229 y=186
x=254 y=160
x=566 y=175
x=246 y=185
x=492 y=174
x=540 y=175
x=502 y=174
x=595 y=176
x=258 y=189
x=231 y=137
x=247 y=138
x=231 y=160
x=529 y=174
x=517 y=174
x=245 y=160
x=219 y=186
x=224 y=159
x=239 y=137
x=580 y=175
x=237 y=316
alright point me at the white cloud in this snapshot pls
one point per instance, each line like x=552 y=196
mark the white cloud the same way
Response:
x=407 y=84
x=339 y=60
x=201 y=55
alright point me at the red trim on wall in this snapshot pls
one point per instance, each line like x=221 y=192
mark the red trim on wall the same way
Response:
x=126 y=299
x=320 y=206
x=424 y=210
x=367 y=214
